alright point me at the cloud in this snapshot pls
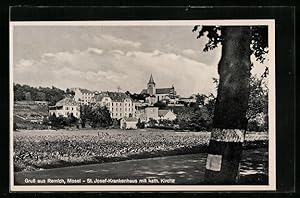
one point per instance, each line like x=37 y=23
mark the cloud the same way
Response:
x=95 y=51
x=102 y=70
x=108 y=42
x=116 y=41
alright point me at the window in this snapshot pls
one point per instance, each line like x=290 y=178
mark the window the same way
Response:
x=125 y=114
x=120 y=114
x=116 y=114
x=112 y=109
x=67 y=108
x=125 y=109
x=72 y=108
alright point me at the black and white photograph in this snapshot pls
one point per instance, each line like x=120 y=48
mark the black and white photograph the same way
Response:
x=185 y=105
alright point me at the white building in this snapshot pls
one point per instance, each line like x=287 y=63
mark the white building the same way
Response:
x=128 y=123
x=65 y=107
x=188 y=100
x=83 y=96
x=119 y=104
x=154 y=113
x=166 y=115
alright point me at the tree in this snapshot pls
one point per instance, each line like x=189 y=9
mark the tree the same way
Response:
x=136 y=96
x=96 y=115
x=160 y=105
x=257 y=104
x=200 y=99
x=70 y=92
x=229 y=121
x=25 y=92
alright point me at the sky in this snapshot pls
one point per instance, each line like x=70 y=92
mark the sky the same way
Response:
x=104 y=58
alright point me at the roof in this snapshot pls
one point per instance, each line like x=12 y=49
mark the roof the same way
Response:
x=162 y=113
x=151 y=81
x=131 y=119
x=170 y=90
x=67 y=102
x=115 y=96
x=85 y=91
x=144 y=91
x=165 y=90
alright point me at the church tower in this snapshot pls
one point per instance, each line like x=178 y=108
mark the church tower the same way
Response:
x=151 y=90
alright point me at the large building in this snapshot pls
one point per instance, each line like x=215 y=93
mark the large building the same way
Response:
x=83 y=96
x=119 y=104
x=65 y=107
x=155 y=113
x=158 y=94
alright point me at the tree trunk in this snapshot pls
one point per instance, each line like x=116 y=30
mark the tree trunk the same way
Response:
x=229 y=122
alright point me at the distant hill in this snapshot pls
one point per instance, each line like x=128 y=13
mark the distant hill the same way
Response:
x=28 y=93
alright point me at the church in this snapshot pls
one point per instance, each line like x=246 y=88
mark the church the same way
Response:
x=158 y=94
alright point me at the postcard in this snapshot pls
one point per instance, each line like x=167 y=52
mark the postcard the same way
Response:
x=166 y=105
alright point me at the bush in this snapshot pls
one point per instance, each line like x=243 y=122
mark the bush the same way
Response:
x=96 y=115
x=140 y=125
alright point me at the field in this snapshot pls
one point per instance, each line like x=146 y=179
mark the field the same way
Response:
x=36 y=150
x=29 y=116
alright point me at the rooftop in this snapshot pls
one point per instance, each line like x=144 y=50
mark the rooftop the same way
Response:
x=162 y=113
x=85 y=91
x=170 y=90
x=115 y=96
x=66 y=102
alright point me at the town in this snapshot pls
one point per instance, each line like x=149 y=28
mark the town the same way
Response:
x=152 y=107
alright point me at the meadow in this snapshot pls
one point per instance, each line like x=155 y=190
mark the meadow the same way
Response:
x=44 y=149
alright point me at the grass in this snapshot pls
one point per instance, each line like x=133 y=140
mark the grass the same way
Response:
x=43 y=149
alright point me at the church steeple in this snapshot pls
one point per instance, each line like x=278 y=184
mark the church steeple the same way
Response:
x=151 y=81
x=151 y=90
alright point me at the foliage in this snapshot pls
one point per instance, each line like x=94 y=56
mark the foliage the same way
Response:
x=258 y=98
x=115 y=123
x=140 y=124
x=57 y=122
x=26 y=92
x=96 y=116
x=259 y=39
x=257 y=104
x=195 y=119
x=136 y=96
x=213 y=33
x=200 y=99
x=160 y=105
x=69 y=92
x=61 y=122
x=152 y=122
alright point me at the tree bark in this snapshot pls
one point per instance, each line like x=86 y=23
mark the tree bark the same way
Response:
x=229 y=122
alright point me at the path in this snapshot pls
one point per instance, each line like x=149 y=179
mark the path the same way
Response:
x=181 y=169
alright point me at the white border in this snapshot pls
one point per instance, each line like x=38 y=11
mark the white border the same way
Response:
x=130 y=188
